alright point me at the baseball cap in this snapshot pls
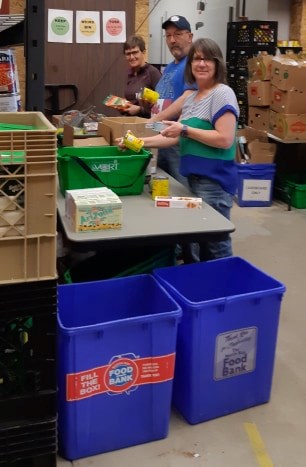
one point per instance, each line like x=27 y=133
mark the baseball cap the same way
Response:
x=178 y=21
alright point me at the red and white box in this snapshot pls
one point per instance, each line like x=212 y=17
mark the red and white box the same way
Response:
x=178 y=202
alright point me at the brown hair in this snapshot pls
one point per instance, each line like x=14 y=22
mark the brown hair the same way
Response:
x=134 y=41
x=211 y=51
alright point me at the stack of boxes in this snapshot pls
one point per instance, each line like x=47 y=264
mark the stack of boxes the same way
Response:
x=28 y=290
x=288 y=92
x=259 y=91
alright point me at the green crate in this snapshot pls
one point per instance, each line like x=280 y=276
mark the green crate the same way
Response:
x=297 y=194
x=138 y=262
x=294 y=189
x=96 y=166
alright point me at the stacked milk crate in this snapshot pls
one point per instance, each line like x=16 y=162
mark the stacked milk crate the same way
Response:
x=246 y=39
x=28 y=290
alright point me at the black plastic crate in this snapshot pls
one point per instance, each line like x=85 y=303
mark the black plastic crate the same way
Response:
x=28 y=407
x=45 y=460
x=243 y=117
x=25 y=296
x=238 y=82
x=237 y=57
x=29 y=443
x=252 y=33
x=27 y=351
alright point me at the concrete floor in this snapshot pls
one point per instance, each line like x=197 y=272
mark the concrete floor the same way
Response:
x=268 y=435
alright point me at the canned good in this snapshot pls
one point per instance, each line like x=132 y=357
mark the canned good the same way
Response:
x=132 y=142
x=149 y=95
x=8 y=72
x=159 y=186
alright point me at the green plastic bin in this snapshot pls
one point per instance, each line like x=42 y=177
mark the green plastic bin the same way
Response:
x=293 y=189
x=96 y=166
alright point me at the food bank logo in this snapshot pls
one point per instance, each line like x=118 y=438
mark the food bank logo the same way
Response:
x=122 y=375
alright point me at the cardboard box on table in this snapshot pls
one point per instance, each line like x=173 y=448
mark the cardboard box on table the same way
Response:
x=118 y=126
x=259 y=68
x=70 y=139
x=288 y=73
x=288 y=102
x=259 y=93
x=290 y=127
x=258 y=118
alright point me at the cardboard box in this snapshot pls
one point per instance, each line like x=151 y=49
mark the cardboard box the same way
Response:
x=70 y=139
x=288 y=102
x=289 y=127
x=178 y=202
x=259 y=68
x=89 y=210
x=259 y=93
x=288 y=73
x=120 y=125
x=261 y=153
x=258 y=118
x=116 y=127
x=258 y=148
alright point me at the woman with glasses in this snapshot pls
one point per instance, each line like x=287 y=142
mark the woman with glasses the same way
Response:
x=206 y=132
x=140 y=74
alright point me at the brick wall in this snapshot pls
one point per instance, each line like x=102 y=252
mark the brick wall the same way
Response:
x=141 y=19
x=298 y=21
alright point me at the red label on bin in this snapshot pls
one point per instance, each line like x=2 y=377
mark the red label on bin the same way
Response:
x=121 y=375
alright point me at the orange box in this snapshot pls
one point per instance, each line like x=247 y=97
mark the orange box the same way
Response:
x=259 y=93
x=288 y=126
x=288 y=102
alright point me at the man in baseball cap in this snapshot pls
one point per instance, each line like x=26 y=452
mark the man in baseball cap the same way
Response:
x=180 y=22
x=172 y=88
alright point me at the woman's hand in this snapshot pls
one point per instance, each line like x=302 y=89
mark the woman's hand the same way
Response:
x=119 y=143
x=132 y=109
x=173 y=129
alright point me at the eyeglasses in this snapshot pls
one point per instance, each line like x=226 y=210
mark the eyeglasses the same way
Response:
x=176 y=35
x=198 y=60
x=133 y=53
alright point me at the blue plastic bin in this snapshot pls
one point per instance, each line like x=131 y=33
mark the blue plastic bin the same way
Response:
x=227 y=336
x=116 y=353
x=255 y=184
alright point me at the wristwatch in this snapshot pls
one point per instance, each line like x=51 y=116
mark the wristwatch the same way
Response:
x=184 y=132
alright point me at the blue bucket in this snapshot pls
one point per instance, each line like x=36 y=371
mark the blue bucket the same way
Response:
x=255 y=184
x=227 y=336
x=116 y=354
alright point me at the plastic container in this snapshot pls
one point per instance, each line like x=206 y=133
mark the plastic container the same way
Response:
x=96 y=166
x=255 y=184
x=294 y=188
x=252 y=33
x=116 y=342
x=227 y=337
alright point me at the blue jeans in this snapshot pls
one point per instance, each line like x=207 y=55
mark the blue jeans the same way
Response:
x=214 y=195
x=169 y=160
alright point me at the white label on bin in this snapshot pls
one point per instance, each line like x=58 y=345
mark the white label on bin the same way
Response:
x=256 y=190
x=106 y=167
x=235 y=353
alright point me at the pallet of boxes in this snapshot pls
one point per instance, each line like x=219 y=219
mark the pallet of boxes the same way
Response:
x=255 y=154
x=288 y=122
x=28 y=286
